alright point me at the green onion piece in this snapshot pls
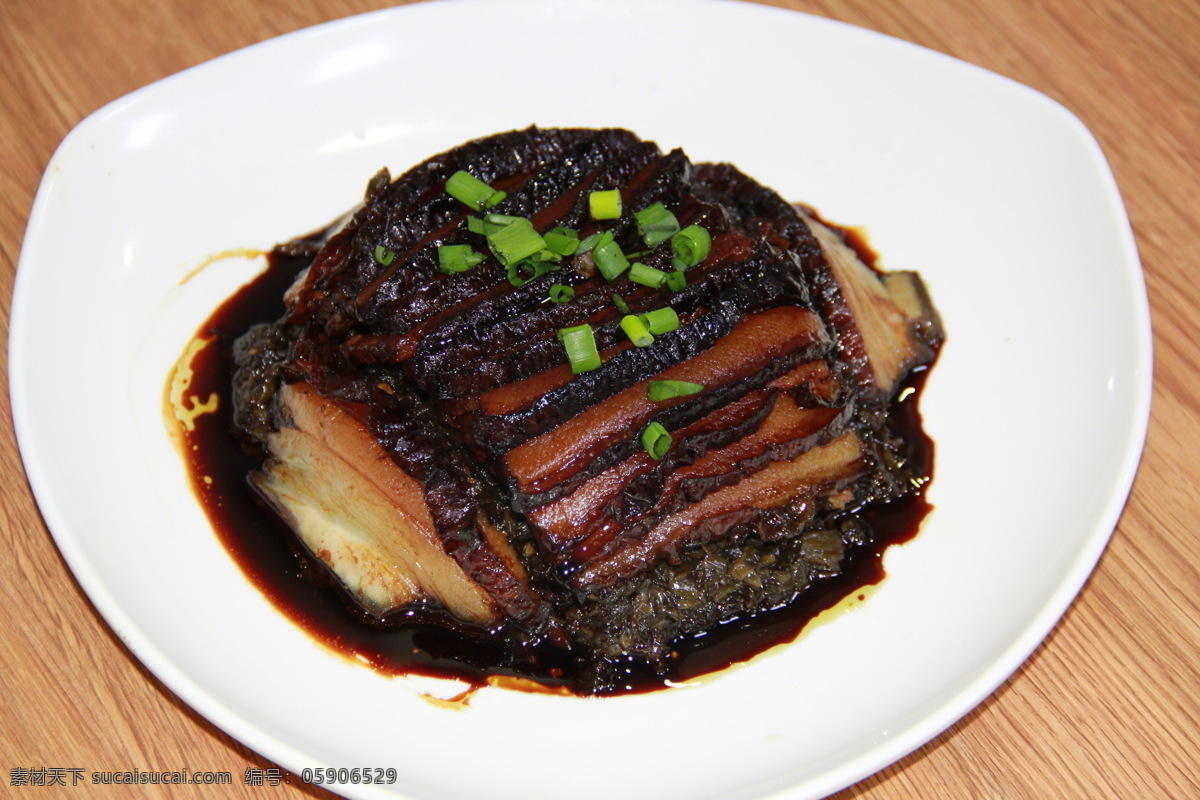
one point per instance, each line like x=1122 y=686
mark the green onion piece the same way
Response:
x=516 y=241
x=561 y=293
x=547 y=256
x=470 y=191
x=656 y=224
x=658 y=391
x=500 y=219
x=676 y=280
x=620 y=303
x=383 y=255
x=588 y=244
x=661 y=320
x=562 y=241
x=610 y=260
x=489 y=223
x=636 y=330
x=692 y=245
x=605 y=204
x=580 y=344
x=522 y=272
x=646 y=276
x=456 y=258
x=657 y=440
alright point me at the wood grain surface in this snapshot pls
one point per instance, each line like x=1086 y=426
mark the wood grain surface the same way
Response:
x=1107 y=707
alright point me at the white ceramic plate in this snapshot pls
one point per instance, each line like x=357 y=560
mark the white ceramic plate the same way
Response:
x=997 y=195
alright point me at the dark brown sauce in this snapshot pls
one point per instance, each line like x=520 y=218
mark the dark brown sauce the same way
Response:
x=273 y=559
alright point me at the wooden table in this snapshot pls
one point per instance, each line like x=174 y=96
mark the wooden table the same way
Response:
x=1108 y=706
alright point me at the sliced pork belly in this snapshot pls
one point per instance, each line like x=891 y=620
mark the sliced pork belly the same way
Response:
x=431 y=444
x=891 y=315
x=371 y=523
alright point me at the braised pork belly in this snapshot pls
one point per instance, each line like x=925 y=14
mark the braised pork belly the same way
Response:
x=570 y=388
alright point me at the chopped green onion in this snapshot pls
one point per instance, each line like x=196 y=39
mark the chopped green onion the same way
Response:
x=500 y=219
x=589 y=243
x=620 y=303
x=657 y=440
x=580 y=344
x=561 y=293
x=676 y=280
x=665 y=390
x=489 y=223
x=692 y=245
x=656 y=224
x=646 y=276
x=547 y=255
x=456 y=258
x=661 y=320
x=562 y=241
x=636 y=330
x=383 y=255
x=522 y=272
x=516 y=241
x=605 y=204
x=469 y=190
x=609 y=259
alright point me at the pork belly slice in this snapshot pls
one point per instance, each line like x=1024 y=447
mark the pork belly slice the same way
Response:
x=885 y=323
x=365 y=518
x=757 y=341
x=600 y=512
x=805 y=477
x=890 y=314
x=563 y=523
